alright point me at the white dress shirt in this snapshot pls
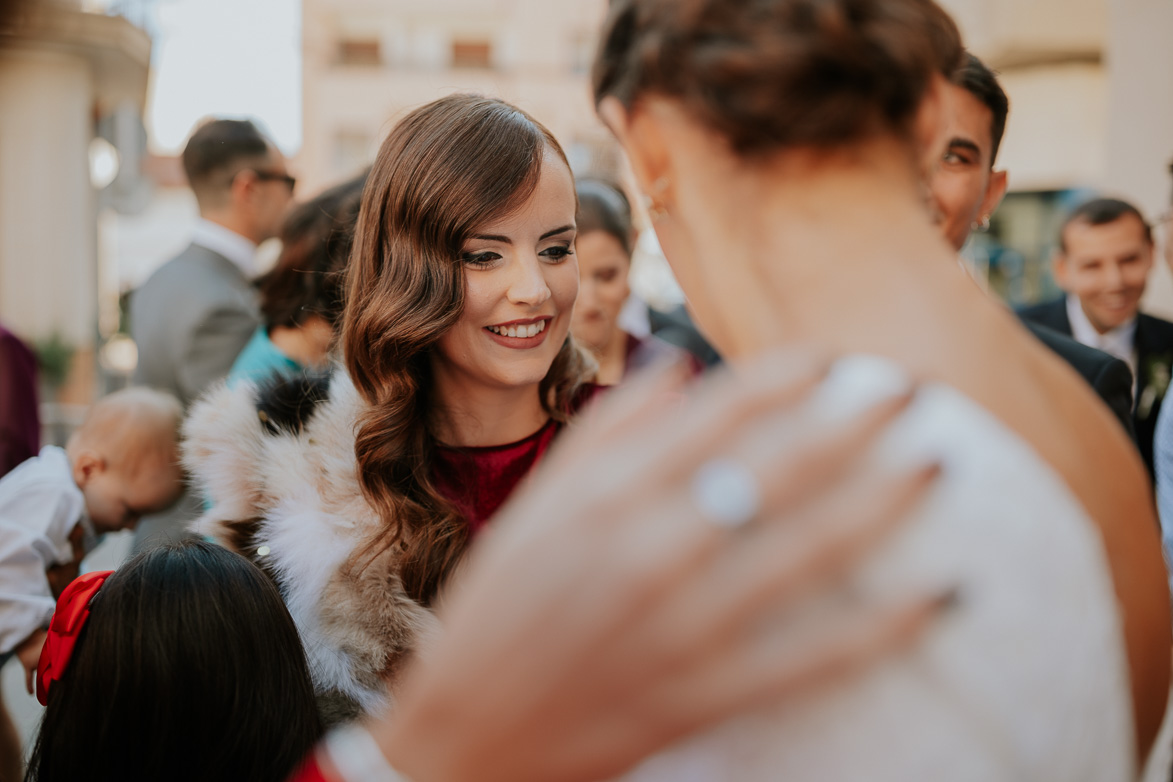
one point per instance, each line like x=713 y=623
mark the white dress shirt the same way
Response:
x=236 y=248
x=39 y=507
x=1119 y=342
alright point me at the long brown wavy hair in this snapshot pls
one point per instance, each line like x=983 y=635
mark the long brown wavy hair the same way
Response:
x=446 y=170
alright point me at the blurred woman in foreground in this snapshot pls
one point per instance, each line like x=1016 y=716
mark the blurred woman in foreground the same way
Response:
x=783 y=147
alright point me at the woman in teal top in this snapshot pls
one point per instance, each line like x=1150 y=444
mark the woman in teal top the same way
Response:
x=301 y=297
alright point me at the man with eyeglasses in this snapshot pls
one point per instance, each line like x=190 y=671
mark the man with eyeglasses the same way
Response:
x=198 y=310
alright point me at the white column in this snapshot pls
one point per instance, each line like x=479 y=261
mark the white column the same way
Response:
x=47 y=243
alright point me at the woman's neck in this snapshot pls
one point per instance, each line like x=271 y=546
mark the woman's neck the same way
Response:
x=612 y=358
x=469 y=417
x=827 y=248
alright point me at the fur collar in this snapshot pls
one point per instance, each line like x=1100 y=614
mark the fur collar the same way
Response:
x=282 y=484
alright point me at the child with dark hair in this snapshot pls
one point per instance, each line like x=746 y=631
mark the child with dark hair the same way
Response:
x=182 y=665
x=301 y=297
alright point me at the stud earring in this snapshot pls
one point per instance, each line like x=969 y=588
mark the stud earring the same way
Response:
x=655 y=208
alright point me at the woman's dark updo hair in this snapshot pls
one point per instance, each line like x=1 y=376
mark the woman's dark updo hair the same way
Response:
x=188 y=669
x=602 y=206
x=766 y=74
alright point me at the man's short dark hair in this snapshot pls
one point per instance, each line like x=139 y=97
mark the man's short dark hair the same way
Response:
x=220 y=148
x=1101 y=211
x=980 y=81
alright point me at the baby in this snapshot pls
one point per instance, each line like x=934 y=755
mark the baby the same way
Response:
x=120 y=464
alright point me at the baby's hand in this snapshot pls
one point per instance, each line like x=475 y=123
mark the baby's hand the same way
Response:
x=29 y=653
x=61 y=576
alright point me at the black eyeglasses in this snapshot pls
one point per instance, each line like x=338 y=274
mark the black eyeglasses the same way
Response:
x=273 y=176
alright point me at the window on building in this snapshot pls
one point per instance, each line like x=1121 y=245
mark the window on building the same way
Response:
x=1016 y=251
x=472 y=54
x=359 y=51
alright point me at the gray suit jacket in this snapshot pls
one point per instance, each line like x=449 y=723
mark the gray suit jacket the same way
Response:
x=190 y=320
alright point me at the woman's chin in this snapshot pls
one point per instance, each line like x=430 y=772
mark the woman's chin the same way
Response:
x=591 y=339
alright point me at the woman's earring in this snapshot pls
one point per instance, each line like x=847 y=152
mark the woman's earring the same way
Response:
x=981 y=225
x=652 y=203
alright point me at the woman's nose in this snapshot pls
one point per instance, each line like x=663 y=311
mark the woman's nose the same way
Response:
x=528 y=283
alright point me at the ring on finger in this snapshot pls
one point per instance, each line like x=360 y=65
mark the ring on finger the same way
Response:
x=726 y=493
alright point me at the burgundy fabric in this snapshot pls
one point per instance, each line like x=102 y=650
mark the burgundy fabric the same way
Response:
x=20 y=426
x=479 y=480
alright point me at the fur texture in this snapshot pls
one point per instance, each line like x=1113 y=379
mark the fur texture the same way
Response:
x=288 y=498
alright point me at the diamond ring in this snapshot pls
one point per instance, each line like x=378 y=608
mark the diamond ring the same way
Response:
x=726 y=493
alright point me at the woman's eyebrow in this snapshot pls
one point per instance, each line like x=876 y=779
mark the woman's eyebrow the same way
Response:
x=557 y=231
x=507 y=240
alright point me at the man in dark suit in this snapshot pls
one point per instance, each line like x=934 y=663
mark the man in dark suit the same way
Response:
x=198 y=310
x=966 y=189
x=1103 y=263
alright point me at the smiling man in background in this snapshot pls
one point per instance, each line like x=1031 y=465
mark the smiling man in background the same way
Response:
x=1103 y=263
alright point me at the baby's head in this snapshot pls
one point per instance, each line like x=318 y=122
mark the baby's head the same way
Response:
x=125 y=457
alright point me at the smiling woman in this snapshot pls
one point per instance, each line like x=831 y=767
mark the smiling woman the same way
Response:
x=360 y=492
x=521 y=282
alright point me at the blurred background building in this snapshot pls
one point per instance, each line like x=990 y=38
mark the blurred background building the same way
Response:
x=73 y=87
x=367 y=62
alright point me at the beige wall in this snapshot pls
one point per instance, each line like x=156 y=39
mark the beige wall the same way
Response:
x=1057 y=131
x=1017 y=32
x=539 y=54
x=47 y=267
x=1140 y=117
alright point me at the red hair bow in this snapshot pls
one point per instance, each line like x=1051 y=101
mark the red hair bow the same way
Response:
x=73 y=608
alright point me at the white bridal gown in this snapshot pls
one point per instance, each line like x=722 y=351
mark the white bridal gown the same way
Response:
x=1025 y=680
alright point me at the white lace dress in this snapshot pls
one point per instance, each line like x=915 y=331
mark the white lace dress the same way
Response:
x=1025 y=680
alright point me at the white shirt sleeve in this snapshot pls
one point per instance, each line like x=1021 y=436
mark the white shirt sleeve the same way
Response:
x=34 y=527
